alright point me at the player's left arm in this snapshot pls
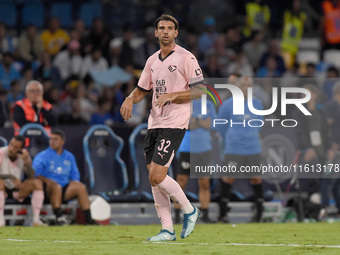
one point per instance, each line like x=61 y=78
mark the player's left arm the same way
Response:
x=193 y=75
x=27 y=164
x=178 y=97
x=75 y=175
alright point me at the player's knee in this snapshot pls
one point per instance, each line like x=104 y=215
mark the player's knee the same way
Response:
x=204 y=184
x=56 y=188
x=37 y=184
x=81 y=187
x=155 y=178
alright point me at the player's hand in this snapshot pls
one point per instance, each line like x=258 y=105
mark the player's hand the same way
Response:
x=163 y=99
x=17 y=183
x=26 y=157
x=126 y=109
x=310 y=155
x=40 y=102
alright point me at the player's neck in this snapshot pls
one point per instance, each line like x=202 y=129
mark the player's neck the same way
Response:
x=166 y=49
x=59 y=151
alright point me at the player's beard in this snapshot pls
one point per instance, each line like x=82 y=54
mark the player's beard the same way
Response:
x=166 y=43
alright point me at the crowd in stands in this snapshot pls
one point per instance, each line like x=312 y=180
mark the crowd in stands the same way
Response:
x=260 y=39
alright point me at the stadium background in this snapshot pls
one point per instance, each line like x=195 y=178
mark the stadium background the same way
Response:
x=126 y=28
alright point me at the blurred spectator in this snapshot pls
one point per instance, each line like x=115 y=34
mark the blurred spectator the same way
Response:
x=74 y=117
x=115 y=51
x=6 y=44
x=8 y=72
x=99 y=37
x=208 y=38
x=53 y=96
x=47 y=71
x=332 y=78
x=69 y=62
x=332 y=112
x=93 y=62
x=126 y=56
x=33 y=109
x=294 y=20
x=223 y=55
x=330 y=32
x=312 y=134
x=190 y=41
x=291 y=76
x=14 y=94
x=103 y=115
x=27 y=76
x=232 y=41
x=212 y=67
x=54 y=38
x=270 y=70
x=87 y=108
x=149 y=47
x=310 y=76
x=241 y=66
x=30 y=45
x=274 y=51
x=3 y=110
x=258 y=16
x=78 y=33
x=255 y=48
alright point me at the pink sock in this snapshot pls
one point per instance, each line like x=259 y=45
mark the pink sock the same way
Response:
x=2 y=202
x=37 y=201
x=172 y=188
x=163 y=207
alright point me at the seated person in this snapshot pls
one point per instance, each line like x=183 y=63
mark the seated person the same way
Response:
x=58 y=170
x=13 y=162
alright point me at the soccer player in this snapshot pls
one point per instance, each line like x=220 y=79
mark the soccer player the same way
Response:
x=14 y=161
x=169 y=73
x=242 y=148
x=196 y=150
x=58 y=170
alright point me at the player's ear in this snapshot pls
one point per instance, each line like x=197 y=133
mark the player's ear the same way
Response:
x=176 y=33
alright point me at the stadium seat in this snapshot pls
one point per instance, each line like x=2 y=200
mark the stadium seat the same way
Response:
x=308 y=56
x=332 y=57
x=107 y=171
x=140 y=172
x=8 y=13
x=63 y=11
x=33 y=12
x=37 y=139
x=89 y=11
x=3 y=141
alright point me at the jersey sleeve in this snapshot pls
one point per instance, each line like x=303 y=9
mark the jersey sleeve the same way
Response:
x=145 y=81
x=193 y=72
x=75 y=175
x=38 y=165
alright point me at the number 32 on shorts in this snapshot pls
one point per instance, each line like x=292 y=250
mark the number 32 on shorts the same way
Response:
x=164 y=145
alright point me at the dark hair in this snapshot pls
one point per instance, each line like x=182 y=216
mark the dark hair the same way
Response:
x=59 y=132
x=167 y=17
x=20 y=138
x=333 y=69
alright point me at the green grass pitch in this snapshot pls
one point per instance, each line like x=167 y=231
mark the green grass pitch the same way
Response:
x=289 y=238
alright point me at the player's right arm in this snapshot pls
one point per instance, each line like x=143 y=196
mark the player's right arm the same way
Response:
x=136 y=96
x=144 y=86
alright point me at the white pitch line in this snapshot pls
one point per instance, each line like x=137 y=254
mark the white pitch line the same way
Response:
x=55 y=241
x=253 y=244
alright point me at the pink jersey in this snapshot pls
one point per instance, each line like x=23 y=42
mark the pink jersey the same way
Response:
x=175 y=73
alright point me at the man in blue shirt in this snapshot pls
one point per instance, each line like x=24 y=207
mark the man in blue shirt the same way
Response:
x=242 y=147
x=58 y=170
x=195 y=149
